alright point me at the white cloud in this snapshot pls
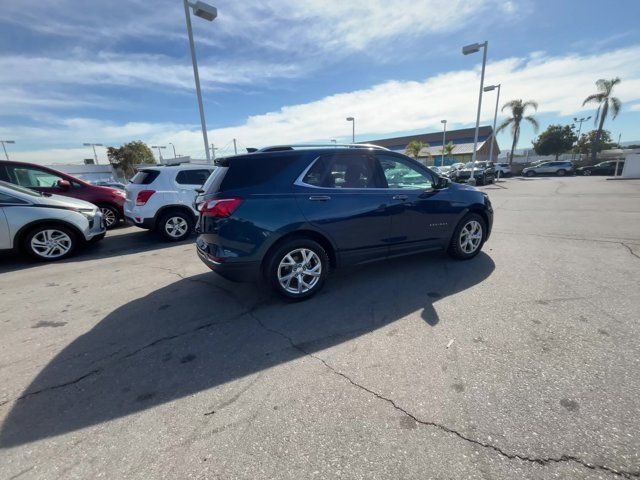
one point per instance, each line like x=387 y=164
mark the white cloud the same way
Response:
x=558 y=84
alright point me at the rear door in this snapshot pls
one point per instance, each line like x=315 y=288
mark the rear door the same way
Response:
x=420 y=213
x=187 y=181
x=342 y=195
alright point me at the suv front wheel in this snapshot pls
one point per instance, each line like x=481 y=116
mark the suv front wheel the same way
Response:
x=175 y=225
x=298 y=268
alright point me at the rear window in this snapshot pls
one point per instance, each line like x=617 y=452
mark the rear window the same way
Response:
x=245 y=172
x=145 y=177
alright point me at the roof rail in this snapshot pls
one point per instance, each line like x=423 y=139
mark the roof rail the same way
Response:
x=279 y=148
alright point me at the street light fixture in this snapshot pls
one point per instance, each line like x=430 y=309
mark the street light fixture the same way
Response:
x=467 y=50
x=174 y=150
x=495 y=117
x=94 y=145
x=4 y=142
x=209 y=13
x=159 y=147
x=353 y=128
x=444 y=134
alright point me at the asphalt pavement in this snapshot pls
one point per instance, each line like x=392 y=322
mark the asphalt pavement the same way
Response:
x=132 y=360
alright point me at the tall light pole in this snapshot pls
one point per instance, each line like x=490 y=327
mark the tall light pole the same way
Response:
x=208 y=12
x=4 y=142
x=444 y=138
x=94 y=145
x=353 y=128
x=580 y=120
x=495 y=117
x=174 y=150
x=159 y=147
x=467 y=50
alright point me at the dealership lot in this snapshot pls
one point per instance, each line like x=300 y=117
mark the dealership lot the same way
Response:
x=132 y=360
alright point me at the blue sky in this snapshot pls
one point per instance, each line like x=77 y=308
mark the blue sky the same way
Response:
x=291 y=71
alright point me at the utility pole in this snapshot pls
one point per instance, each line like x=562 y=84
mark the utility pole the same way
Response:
x=213 y=152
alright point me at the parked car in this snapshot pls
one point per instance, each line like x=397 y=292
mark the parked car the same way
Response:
x=118 y=185
x=602 y=168
x=483 y=172
x=48 y=227
x=162 y=198
x=47 y=180
x=289 y=217
x=503 y=168
x=549 y=168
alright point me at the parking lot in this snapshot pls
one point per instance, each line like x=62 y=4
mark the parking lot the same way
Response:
x=133 y=360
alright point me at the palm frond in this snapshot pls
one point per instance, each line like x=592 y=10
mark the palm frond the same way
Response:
x=616 y=105
x=596 y=97
x=530 y=103
x=513 y=104
x=533 y=122
x=505 y=123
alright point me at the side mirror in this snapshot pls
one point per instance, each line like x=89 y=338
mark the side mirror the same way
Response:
x=64 y=184
x=443 y=182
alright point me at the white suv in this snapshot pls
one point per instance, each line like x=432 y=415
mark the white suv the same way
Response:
x=503 y=168
x=161 y=198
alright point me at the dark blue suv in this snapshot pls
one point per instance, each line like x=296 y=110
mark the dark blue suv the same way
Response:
x=290 y=215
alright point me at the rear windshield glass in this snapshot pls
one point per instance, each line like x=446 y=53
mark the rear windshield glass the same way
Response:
x=145 y=177
x=246 y=172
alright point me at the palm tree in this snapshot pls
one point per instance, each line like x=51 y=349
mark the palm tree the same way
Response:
x=518 y=108
x=414 y=148
x=448 y=150
x=605 y=101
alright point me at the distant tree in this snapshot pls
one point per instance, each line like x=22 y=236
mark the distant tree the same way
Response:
x=587 y=141
x=556 y=139
x=518 y=109
x=415 y=147
x=605 y=102
x=130 y=154
x=448 y=149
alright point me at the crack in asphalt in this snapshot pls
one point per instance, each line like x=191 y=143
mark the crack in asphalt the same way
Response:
x=630 y=250
x=511 y=456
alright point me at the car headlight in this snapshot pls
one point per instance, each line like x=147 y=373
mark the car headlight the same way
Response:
x=88 y=213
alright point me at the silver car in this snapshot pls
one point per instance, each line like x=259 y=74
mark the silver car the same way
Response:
x=549 y=168
x=48 y=227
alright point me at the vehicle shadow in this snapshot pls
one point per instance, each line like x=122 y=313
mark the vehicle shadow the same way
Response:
x=118 y=242
x=201 y=332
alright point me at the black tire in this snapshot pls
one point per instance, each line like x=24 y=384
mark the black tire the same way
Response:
x=561 y=173
x=288 y=248
x=175 y=225
x=530 y=173
x=586 y=173
x=39 y=254
x=455 y=249
x=110 y=216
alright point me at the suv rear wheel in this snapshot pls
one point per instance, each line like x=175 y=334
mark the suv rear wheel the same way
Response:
x=468 y=237
x=561 y=173
x=530 y=173
x=297 y=269
x=175 y=225
x=50 y=242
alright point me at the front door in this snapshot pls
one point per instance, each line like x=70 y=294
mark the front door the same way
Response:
x=420 y=212
x=342 y=196
x=187 y=181
x=42 y=180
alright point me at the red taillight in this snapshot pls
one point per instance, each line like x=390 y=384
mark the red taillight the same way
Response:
x=221 y=208
x=144 y=196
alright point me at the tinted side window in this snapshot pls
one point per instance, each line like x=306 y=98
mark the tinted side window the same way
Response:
x=145 y=177
x=350 y=170
x=401 y=174
x=244 y=172
x=192 y=177
x=4 y=176
x=31 y=177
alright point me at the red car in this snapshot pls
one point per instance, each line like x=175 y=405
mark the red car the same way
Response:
x=47 y=180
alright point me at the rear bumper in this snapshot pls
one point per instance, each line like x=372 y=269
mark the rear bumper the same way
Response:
x=236 y=271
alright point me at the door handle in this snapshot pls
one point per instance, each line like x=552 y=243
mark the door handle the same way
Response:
x=400 y=197
x=319 y=198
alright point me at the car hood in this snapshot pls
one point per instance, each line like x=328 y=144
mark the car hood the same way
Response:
x=62 y=202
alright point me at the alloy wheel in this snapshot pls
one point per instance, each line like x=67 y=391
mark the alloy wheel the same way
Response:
x=470 y=236
x=109 y=216
x=176 y=227
x=299 y=271
x=51 y=243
